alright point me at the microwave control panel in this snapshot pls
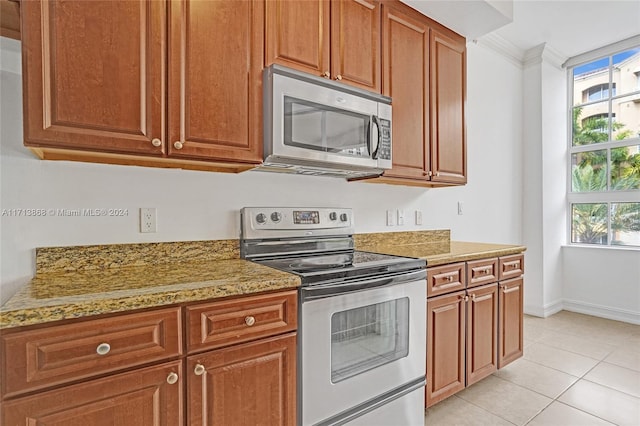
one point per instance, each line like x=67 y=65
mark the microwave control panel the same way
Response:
x=384 y=150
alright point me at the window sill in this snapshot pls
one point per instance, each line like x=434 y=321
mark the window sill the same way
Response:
x=602 y=247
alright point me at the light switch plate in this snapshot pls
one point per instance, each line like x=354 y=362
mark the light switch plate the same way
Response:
x=400 y=217
x=418 y=217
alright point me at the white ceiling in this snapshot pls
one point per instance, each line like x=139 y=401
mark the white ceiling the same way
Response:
x=570 y=27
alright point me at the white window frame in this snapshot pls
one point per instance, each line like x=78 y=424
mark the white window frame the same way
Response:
x=598 y=197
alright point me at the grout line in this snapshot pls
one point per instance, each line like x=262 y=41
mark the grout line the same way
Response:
x=614 y=389
x=553 y=368
x=485 y=410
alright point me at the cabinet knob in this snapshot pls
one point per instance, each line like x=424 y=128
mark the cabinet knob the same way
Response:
x=473 y=297
x=177 y=145
x=103 y=348
x=449 y=278
x=172 y=378
x=199 y=370
x=249 y=320
x=504 y=288
x=429 y=173
x=338 y=77
x=437 y=174
x=156 y=142
x=326 y=74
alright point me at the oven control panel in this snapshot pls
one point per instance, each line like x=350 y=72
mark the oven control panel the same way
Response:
x=307 y=221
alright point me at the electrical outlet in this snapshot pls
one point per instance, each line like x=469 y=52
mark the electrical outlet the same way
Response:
x=390 y=218
x=460 y=208
x=418 y=217
x=400 y=217
x=148 y=219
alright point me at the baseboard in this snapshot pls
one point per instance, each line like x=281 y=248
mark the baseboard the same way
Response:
x=544 y=311
x=601 y=311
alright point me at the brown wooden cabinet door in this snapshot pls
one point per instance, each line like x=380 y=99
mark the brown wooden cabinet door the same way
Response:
x=355 y=43
x=482 y=332
x=297 y=35
x=215 y=80
x=405 y=77
x=248 y=384
x=94 y=75
x=448 y=96
x=510 y=320
x=445 y=346
x=148 y=396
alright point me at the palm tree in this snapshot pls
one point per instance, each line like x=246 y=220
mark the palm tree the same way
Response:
x=589 y=220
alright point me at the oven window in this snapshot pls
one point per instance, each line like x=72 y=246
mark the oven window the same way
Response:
x=323 y=128
x=367 y=337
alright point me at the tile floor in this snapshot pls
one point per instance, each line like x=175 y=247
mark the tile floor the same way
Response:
x=576 y=370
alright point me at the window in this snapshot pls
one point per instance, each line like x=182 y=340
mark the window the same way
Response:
x=604 y=160
x=600 y=91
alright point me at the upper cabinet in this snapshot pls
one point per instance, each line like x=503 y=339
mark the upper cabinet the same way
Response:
x=448 y=96
x=405 y=47
x=337 y=39
x=424 y=72
x=95 y=81
x=178 y=83
x=215 y=79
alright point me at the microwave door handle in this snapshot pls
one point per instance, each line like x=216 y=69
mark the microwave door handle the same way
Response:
x=369 y=134
x=374 y=120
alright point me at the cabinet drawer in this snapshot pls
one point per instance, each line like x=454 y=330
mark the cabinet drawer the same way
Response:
x=232 y=321
x=445 y=279
x=49 y=356
x=484 y=271
x=511 y=266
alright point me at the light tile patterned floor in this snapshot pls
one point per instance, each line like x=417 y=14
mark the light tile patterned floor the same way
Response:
x=576 y=370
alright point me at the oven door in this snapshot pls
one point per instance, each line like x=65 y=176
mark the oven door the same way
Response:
x=359 y=345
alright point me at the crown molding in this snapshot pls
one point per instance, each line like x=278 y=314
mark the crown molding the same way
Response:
x=546 y=53
x=504 y=47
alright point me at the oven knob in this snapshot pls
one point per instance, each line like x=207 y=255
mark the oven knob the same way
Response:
x=344 y=217
x=261 y=218
x=333 y=215
x=276 y=217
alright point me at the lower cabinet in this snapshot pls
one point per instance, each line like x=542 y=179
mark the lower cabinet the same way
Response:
x=446 y=318
x=239 y=355
x=462 y=345
x=473 y=332
x=482 y=332
x=248 y=384
x=510 y=321
x=149 y=396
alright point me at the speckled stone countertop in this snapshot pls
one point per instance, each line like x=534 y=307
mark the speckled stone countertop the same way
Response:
x=434 y=246
x=73 y=282
x=94 y=280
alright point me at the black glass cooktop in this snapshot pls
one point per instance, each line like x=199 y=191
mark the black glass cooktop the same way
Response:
x=343 y=266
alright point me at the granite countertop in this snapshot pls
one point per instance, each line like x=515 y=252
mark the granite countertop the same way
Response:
x=74 y=282
x=434 y=246
x=450 y=252
x=110 y=284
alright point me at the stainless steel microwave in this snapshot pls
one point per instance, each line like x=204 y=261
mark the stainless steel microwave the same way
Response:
x=315 y=126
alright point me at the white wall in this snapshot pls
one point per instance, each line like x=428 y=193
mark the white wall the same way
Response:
x=203 y=205
x=602 y=282
x=545 y=162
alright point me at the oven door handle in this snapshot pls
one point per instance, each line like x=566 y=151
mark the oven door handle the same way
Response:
x=335 y=289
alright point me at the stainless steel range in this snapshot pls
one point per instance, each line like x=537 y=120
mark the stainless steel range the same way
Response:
x=362 y=332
